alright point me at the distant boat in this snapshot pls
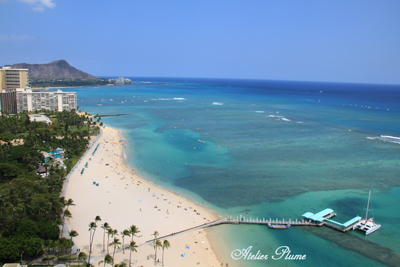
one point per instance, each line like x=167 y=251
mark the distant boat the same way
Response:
x=279 y=226
x=367 y=225
x=201 y=141
x=99 y=104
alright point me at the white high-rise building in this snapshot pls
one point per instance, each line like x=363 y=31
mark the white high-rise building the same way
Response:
x=55 y=101
x=18 y=100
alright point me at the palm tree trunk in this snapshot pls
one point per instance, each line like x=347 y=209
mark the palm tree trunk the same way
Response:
x=62 y=228
x=108 y=243
x=114 y=254
x=104 y=236
x=130 y=254
x=70 y=254
x=163 y=257
x=90 y=242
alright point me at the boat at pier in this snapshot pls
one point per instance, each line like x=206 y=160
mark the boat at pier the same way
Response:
x=279 y=226
x=367 y=224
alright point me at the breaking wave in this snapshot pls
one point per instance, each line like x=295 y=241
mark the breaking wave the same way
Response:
x=386 y=138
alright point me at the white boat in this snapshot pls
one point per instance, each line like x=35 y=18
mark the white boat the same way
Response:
x=279 y=226
x=99 y=104
x=367 y=224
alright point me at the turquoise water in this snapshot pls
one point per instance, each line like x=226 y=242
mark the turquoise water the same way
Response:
x=271 y=149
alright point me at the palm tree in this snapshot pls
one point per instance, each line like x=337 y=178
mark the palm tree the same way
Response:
x=82 y=256
x=157 y=244
x=72 y=234
x=156 y=234
x=67 y=214
x=107 y=259
x=92 y=230
x=115 y=243
x=132 y=248
x=68 y=203
x=105 y=226
x=133 y=230
x=165 y=245
x=109 y=231
x=123 y=234
x=121 y=264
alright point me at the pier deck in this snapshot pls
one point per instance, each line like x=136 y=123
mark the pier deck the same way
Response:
x=242 y=220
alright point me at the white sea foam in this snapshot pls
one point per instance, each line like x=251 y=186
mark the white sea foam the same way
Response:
x=217 y=103
x=260 y=111
x=279 y=117
x=386 y=138
x=170 y=99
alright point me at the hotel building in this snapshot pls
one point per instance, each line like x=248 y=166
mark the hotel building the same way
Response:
x=13 y=78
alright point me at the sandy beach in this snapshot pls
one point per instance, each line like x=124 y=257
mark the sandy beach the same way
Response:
x=109 y=189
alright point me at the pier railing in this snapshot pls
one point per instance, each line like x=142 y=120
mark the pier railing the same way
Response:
x=243 y=220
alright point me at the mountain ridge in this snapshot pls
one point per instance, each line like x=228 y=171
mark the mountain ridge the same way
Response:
x=57 y=69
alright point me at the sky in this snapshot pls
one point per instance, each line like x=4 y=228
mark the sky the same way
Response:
x=300 y=40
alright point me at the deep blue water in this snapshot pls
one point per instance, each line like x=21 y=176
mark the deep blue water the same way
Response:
x=271 y=149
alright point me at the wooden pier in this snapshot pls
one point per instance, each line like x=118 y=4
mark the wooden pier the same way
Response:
x=243 y=220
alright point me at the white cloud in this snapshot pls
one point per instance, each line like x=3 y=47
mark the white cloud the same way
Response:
x=39 y=5
x=14 y=38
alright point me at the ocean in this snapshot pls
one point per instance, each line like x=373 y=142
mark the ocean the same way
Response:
x=269 y=149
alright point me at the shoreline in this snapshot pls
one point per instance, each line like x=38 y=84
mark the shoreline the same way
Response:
x=124 y=159
x=110 y=189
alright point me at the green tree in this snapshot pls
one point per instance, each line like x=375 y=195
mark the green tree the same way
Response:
x=8 y=171
x=165 y=245
x=115 y=243
x=68 y=203
x=133 y=230
x=124 y=233
x=82 y=256
x=109 y=231
x=9 y=249
x=66 y=214
x=132 y=248
x=72 y=234
x=121 y=264
x=92 y=231
x=107 y=260
x=105 y=226
x=157 y=244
